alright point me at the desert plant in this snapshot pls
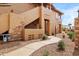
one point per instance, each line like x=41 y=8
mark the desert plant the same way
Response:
x=71 y=35
x=47 y=33
x=63 y=29
x=46 y=53
x=61 y=46
x=52 y=33
x=45 y=37
x=63 y=35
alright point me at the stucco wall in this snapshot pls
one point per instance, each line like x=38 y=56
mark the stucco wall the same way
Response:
x=16 y=7
x=54 y=18
x=76 y=30
x=55 y=21
x=15 y=20
x=26 y=13
x=33 y=34
x=3 y=23
x=26 y=17
x=21 y=7
x=31 y=15
x=47 y=13
x=52 y=22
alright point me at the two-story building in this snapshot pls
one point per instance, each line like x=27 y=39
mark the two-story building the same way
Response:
x=26 y=21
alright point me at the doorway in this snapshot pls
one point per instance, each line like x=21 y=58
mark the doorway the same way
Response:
x=59 y=28
x=47 y=26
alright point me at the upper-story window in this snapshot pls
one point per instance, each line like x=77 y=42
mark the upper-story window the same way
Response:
x=58 y=16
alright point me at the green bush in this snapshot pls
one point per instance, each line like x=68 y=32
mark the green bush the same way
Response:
x=63 y=29
x=47 y=33
x=61 y=45
x=46 y=53
x=45 y=37
x=71 y=35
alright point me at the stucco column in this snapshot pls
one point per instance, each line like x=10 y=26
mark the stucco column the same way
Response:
x=76 y=29
x=9 y=21
x=42 y=17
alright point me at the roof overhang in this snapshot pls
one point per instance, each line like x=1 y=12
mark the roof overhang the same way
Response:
x=53 y=8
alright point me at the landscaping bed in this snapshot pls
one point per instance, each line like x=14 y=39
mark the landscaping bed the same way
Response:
x=52 y=49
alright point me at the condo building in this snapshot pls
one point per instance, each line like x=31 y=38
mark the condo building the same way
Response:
x=27 y=21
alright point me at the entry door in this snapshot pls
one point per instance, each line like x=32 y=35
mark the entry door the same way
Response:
x=46 y=27
x=59 y=28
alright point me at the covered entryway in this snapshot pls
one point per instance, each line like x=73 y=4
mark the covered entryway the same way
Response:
x=59 y=28
x=47 y=26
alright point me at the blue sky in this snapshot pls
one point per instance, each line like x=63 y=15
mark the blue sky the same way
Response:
x=69 y=10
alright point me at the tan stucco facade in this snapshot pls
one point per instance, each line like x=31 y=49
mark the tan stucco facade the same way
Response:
x=76 y=23
x=16 y=18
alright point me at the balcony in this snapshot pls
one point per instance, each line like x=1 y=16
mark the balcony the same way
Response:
x=47 y=12
x=59 y=20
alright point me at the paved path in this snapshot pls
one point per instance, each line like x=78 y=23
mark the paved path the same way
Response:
x=30 y=48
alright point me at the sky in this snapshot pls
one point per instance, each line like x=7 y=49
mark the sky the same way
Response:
x=69 y=10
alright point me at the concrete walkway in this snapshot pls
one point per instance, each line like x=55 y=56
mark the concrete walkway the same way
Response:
x=30 y=48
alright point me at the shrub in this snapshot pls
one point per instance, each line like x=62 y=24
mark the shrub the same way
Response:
x=45 y=37
x=63 y=29
x=47 y=33
x=61 y=45
x=71 y=35
x=52 y=33
x=63 y=36
x=46 y=53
